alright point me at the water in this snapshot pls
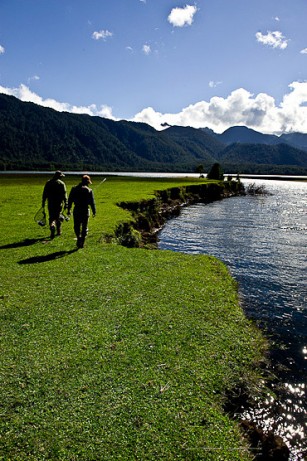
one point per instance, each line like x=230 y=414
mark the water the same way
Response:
x=263 y=241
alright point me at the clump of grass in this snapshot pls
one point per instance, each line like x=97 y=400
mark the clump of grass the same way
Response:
x=256 y=189
x=113 y=353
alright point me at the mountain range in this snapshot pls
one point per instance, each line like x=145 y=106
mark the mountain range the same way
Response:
x=36 y=137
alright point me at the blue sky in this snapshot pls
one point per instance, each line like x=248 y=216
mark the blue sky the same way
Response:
x=212 y=63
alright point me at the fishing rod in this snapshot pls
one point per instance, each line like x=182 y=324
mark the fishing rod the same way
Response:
x=98 y=185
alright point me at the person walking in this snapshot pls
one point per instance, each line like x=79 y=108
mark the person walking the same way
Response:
x=83 y=199
x=55 y=194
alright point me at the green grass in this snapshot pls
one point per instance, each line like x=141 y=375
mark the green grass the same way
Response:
x=109 y=353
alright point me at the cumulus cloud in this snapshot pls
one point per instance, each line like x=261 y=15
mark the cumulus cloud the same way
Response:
x=102 y=35
x=180 y=17
x=240 y=107
x=273 y=39
x=2 y=49
x=146 y=49
x=304 y=51
x=25 y=94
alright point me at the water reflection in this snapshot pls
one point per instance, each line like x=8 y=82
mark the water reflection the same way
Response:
x=263 y=240
x=287 y=420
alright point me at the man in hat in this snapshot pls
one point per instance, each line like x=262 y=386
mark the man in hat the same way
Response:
x=83 y=199
x=56 y=196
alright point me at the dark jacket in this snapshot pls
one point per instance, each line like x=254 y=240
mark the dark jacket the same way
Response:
x=83 y=198
x=55 y=193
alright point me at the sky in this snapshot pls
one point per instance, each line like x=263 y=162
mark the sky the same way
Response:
x=208 y=63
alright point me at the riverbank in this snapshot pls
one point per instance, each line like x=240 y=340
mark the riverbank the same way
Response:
x=149 y=215
x=263 y=242
x=116 y=352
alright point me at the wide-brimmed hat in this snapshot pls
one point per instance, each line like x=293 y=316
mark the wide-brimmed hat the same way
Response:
x=86 y=179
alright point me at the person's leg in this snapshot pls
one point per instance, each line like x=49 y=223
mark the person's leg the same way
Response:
x=84 y=230
x=58 y=226
x=52 y=221
x=77 y=228
x=77 y=225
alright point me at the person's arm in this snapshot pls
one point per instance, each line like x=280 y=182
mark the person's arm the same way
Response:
x=45 y=193
x=70 y=200
x=65 y=200
x=92 y=203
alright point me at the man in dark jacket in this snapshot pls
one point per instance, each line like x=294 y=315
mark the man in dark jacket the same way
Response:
x=56 y=196
x=83 y=198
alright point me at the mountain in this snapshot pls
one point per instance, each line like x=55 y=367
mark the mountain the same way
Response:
x=203 y=145
x=262 y=154
x=35 y=137
x=298 y=140
x=243 y=134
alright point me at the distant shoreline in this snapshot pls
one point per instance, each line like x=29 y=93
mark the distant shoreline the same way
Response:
x=274 y=177
x=157 y=175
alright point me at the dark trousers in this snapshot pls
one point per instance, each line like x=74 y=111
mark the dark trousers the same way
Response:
x=80 y=224
x=54 y=217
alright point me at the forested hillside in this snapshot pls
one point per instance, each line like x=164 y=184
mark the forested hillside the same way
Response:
x=279 y=154
x=35 y=137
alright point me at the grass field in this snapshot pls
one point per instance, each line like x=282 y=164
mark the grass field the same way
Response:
x=109 y=353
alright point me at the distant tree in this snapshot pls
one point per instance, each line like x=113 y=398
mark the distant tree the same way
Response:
x=216 y=172
x=199 y=169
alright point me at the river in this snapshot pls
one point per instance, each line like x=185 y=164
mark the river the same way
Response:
x=263 y=241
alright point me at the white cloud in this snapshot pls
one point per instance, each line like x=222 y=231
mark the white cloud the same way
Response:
x=304 y=51
x=258 y=112
x=241 y=107
x=146 y=49
x=213 y=84
x=102 y=34
x=2 y=49
x=25 y=94
x=180 y=17
x=277 y=18
x=274 y=39
x=34 y=77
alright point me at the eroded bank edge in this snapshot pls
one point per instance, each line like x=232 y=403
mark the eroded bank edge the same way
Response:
x=148 y=218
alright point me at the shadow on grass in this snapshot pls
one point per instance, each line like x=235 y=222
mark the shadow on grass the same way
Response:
x=23 y=243
x=50 y=257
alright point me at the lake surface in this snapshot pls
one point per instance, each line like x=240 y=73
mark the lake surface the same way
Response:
x=263 y=241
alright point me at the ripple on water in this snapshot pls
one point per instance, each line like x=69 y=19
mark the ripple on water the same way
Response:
x=263 y=240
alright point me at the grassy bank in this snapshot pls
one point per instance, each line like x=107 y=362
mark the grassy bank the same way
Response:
x=109 y=353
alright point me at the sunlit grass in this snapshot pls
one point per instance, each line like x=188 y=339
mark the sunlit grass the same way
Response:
x=112 y=353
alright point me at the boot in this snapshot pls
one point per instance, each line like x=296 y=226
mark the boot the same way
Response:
x=52 y=232
x=80 y=242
